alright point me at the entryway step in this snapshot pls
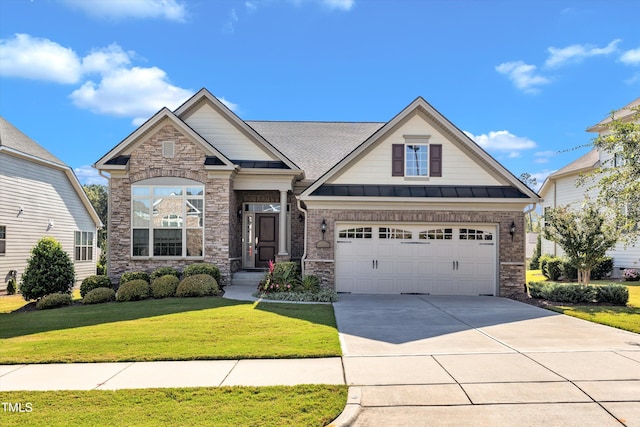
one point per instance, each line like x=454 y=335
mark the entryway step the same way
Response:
x=247 y=278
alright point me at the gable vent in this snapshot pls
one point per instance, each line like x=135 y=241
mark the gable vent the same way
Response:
x=168 y=149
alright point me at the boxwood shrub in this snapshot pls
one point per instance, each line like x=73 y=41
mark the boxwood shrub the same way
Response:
x=134 y=275
x=163 y=271
x=99 y=295
x=202 y=268
x=93 y=282
x=133 y=290
x=165 y=286
x=197 y=286
x=53 y=301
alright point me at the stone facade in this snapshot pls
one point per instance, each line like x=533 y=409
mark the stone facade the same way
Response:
x=320 y=257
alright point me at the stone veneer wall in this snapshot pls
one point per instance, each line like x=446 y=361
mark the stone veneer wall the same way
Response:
x=511 y=257
x=188 y=162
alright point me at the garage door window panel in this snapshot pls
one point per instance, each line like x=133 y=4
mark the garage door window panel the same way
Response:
x=394 y=233
x=356 y=233
x=437 y=234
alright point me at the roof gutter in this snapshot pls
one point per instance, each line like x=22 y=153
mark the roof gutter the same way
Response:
x=304 y=245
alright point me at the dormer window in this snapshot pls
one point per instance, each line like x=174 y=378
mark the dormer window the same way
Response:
x=416 y=158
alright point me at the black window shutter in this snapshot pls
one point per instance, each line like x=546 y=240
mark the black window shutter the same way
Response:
x=435 y=160
x=397 y=160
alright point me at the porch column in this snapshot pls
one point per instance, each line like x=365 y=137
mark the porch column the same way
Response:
x=282 y=238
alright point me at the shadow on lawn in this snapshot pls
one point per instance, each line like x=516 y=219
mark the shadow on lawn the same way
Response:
x=17 y=324
x=318 y=315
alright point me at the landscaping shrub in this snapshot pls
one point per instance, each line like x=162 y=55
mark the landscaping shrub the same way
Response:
x=197 y=286
x=536 y=289
x=573 y=293
x=134 y=275
x=322 y=295
x=552 y=268
x=281 y=277
x=543 y=262
x=630 y=275
x=11 y=286
x=133 y=290
x=99 y=295
x=613 y=294
x=165 y=286
x=568 y=271
x=308 y=283
x=93 y=282
x=53 y=301
x=534 y=264
x=603 y=269
x=49 y=270
x=164 y=271
x=202 y=268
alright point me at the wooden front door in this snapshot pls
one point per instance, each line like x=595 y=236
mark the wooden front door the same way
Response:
x=266 y=239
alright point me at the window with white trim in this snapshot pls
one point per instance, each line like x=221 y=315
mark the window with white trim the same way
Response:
x=167 y=220
x=3 y=239
x=83 y=246
x=416 y=160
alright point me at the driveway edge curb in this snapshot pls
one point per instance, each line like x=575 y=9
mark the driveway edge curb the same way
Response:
x=351 y=410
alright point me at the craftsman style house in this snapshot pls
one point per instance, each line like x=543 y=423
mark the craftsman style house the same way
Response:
x=407 y=206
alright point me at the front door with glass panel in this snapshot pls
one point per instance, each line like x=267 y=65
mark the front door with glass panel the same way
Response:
x=260 y=236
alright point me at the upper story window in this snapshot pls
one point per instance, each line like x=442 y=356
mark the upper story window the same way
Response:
x=83 y=245
x=416 y=158
x=167 y=218
x=3 y=239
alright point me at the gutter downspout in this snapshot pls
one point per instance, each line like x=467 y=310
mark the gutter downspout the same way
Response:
x=108 y=178
x=304 y=251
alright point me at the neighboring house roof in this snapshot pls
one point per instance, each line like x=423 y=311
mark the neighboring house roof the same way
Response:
x=622 y=113
x=584 y=163
x=315 y=146
x=16 y=143
x=13 y=138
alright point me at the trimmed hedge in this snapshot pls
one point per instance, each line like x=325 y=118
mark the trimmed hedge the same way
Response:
x=164 y=271
x=133 y=290
x=164 y=286
x=134 y=275
x=202 y=268
x=577 y=294
x=53 y=301
x=198 y=285
x=94 y=282
x=99 y=295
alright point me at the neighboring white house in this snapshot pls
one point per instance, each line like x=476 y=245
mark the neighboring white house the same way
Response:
x=41 y=196
x=561 y=189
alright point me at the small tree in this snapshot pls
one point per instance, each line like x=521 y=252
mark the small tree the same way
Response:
x=49 y=270
x=585 y=236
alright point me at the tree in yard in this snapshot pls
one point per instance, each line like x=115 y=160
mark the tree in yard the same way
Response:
x=532 y=219
x=619 y=176
x=49 y=270
x=98 y=197
x=585 y=236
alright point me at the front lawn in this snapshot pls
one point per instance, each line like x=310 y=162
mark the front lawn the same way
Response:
x=169 y=329
x=305 y=405
x=627 y=318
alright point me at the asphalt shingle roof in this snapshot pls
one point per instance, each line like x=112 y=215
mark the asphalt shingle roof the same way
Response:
x=587 y=161
x=315 y=146
x=12 y=137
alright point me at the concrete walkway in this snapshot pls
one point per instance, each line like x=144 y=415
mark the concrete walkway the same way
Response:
x=483 y=361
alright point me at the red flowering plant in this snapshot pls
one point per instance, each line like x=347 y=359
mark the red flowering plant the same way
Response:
x=280 y=277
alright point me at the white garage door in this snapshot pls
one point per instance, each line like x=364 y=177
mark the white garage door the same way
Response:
x=428 y=259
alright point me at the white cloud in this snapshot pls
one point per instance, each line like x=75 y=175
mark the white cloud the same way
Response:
x=339 y=4
x=523 y=76
x=88 y=176
x=503 y=141
x=543 y=156
x=631 y=57
x=577 y=52
x=541 y=176
x=105 y=60
x=230 y=105
x=38 y=59
x=172 y=10
x=251 y=6
x=135 y=92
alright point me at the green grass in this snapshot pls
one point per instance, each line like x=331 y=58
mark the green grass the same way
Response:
x=306 y=405
x=169 y=329
x=627 y=318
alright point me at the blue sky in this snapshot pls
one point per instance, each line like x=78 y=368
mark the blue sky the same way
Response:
x=524 y=78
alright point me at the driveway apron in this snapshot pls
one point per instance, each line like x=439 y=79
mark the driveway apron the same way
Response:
x=438 y=361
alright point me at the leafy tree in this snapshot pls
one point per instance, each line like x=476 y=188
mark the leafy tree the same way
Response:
x=585 y=236
x=619 y=177
x=532 y=219
x=49 y=270
x=99 y=198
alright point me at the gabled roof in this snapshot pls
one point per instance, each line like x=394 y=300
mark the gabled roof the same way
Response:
x=453 y=133
x=584 y=163
x=11 y=137
x=623 y=113
x=16 y=143
x=315 y=146
x=117 y=159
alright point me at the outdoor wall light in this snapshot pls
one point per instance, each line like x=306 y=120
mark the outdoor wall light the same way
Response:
x=239 y=213
x=323 y=228
x=50 y=224
x=300 y=218
x=512 y=230
x=20 y=210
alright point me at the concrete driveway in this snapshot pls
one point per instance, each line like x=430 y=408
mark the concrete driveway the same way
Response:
x=483 y=361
